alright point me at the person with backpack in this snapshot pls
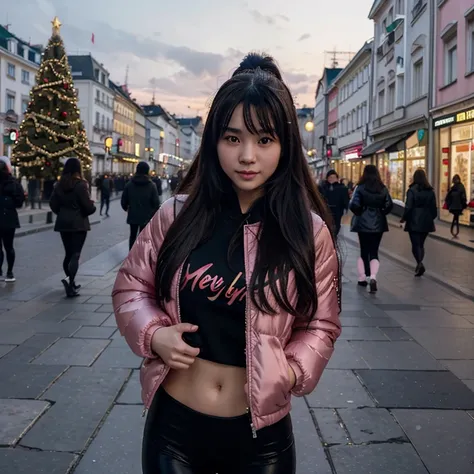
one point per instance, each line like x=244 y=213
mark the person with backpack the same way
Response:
x=140 y=200
x=12 y=197
x=72 y=204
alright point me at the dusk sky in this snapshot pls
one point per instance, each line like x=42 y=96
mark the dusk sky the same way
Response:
x=184 y=49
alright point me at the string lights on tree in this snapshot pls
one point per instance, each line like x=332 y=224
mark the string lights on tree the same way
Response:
x=52 y=129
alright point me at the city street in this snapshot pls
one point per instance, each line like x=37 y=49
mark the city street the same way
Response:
x=397 y=397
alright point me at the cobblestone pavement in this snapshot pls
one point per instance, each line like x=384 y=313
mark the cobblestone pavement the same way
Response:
x=397 y=396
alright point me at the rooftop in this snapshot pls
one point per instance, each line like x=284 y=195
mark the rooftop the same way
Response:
x=5 y=35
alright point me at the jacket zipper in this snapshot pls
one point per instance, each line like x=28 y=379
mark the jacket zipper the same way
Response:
x=165 y=372
x=247 y=345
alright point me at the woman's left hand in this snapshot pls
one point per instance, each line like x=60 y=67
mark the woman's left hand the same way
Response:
x=292 y=376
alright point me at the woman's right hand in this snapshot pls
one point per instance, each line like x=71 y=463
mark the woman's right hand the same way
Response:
x=168 y=343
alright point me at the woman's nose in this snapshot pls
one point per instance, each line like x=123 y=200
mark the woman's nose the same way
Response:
x=248 y=154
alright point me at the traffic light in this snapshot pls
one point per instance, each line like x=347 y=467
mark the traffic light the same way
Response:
x=119 y=144
x=13 y=135
x=329 y=151
x=108 y=143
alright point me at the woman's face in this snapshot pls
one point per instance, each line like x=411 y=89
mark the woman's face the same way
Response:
x=248 y=160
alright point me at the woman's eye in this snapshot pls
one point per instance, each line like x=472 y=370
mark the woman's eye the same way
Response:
x=265 y=140
x=232 y=139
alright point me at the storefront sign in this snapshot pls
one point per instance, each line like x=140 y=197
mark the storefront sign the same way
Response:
x=460 y=117
x=352 y=156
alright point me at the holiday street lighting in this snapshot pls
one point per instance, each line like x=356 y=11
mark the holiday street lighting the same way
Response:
x=309 y=126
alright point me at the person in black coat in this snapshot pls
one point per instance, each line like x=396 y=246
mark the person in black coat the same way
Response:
x=72 y=204
x=140 y=200
x=370 y=203
x=420 y=213
x=337 y=197
x=12 y=197
x=456 y=202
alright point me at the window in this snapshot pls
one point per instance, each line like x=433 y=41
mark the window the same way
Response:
x=451 y=59
x=381 y=109
x=390 y=17
x=10 y=101
x=108 y=123
x=470 y=47
x=97 y=95
x=25 y=76
x=97 y=119
x=24 y=105
x=11 y=71
x=418 y=79
x=103 y=98
x=400 y=90
x=391 y=97
x=400 y=7
x=102 y=123
x=103 y=78
x=96 y=74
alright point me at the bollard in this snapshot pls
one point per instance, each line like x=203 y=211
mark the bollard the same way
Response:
x=49 y=217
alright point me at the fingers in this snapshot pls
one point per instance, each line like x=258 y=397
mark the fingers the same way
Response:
x=186 y=327
x=181 y=362
x=189 y=350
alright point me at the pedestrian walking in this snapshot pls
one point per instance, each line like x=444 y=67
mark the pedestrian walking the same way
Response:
x=159 y=185
x=73 y=206
x=222 y=362
x=140 y=200
x=419 y=215
x=456 y=203
x=370 y=203
x=337 y=198
x=12 y=197
x=105 y=190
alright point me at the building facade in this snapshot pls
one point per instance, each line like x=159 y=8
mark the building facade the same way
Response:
x=140 y=135
x=453 y=107
x=19 y=63
x=96 y=103
x=401 y=84
x=154 y=136
x=189 y=137
x=353 y=95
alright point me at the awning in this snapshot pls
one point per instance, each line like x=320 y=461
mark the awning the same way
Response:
x=382 y=145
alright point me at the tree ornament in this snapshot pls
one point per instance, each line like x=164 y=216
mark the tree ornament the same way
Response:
x=64 y=114
x=66 y=85
x=46 y=80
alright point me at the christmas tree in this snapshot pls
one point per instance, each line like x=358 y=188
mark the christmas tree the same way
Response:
x=52 y=130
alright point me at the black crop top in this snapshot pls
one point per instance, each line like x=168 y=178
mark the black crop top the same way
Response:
x=213 y=290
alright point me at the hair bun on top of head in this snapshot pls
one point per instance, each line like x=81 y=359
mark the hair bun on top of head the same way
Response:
x=254 y=61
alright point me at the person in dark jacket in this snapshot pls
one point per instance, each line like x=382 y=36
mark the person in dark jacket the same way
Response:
x=456 y=202
x=12 y=197
x=73 y=206
x=159 y=185
x=105 y=191
x=140 y=200
x=420 y=213
x=370 y=203
x=337 y=198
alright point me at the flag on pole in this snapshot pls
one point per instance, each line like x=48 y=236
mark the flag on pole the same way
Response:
x=93 y=38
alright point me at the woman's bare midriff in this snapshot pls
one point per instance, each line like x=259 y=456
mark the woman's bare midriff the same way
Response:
x=209 y=388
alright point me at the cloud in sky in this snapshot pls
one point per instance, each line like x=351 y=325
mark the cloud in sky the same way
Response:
x=304 y=37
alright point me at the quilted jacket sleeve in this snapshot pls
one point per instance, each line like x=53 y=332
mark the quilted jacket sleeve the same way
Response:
x=136 y=311
x=310 y=346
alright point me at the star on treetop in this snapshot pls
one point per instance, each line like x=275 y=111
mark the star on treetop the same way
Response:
x=56 y=25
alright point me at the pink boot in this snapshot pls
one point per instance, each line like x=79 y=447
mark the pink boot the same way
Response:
x=374 y=269
x=362 y=281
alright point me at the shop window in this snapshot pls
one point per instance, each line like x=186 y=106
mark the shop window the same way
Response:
x=418 y=79
x=396 y=167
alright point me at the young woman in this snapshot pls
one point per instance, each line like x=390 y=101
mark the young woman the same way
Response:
x=370 y=203
x=420 y=213
x=12 y=197
x=71 y=202
x=456 y=202
x=231 y=293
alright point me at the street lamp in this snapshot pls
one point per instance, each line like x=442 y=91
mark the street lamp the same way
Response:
x=309 y=126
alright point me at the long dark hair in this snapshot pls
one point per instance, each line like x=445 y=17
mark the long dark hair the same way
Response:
x=71 y=174
x=286 y=235
x=420 y=179
x=371 y=179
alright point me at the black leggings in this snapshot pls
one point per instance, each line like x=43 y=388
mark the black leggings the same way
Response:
x=104 y=201
x=7 y=236
x=179 y=440
x=369 y=248
x=418 y=245
x=135 y=229
x=73 y=243
x=455 y=223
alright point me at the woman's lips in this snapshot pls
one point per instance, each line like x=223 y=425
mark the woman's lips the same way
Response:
x=248 y=175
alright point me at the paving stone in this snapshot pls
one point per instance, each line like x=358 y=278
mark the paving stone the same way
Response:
x=8 y=304
x=368 y=425
x=64 y=329
x=310 y=454
x=398 y=307
x=121 y=433
x=131 y=394
x=464 y=369
x=346 y=357
x=100 y=299
x=353 y=314
x=25 y=311
x=331 y=428
x=118 y=357
x=446 y=343
x=377 y=459
x=105 y=308
x=417 y=389
x=6 y=348
x=26 y=380
x=339 y=389
x=421 y=320
x=370 y=322
x=83 y=307
x=443 y=439
x=92 y=332
x=54 y=314
x=91 y=392
x=88 y=318
x=31 y=348
x=110 y=321
x=70 y=351
x=362 y=334
x=400 y=355
x=15 y=333
x=16 y=416
x=396 y=334
x=469 y=383
x=23 y=461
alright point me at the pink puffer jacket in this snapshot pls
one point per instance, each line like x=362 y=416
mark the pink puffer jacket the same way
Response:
x=273 y=342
